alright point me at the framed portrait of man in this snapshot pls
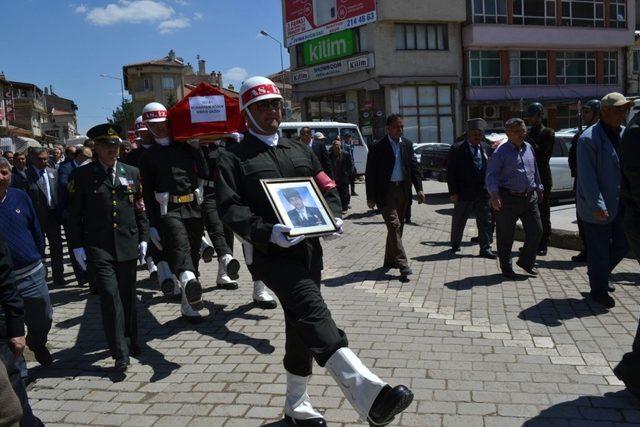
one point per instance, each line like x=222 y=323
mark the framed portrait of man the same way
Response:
x=299 y=204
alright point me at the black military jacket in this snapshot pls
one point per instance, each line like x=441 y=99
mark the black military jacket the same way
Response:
x=542 y=139
x=134 y=157
x=174 y=169
x=107 y=219
x=243 y=204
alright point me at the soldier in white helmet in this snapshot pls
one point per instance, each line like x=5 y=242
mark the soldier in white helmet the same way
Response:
x=291 y=267
x=170 y=171
x=157 y=264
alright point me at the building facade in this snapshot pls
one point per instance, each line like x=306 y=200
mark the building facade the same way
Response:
x=29 y=110
x=556 y=52
x=163 y=80
x=62 y=122
x=408 y=61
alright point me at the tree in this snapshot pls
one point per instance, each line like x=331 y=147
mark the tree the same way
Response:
x=171 y=101
x=123 y=117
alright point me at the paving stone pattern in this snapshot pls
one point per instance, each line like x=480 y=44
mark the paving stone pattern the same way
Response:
x=475 y=349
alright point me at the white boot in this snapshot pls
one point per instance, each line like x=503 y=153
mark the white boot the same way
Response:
x=151 y=266
x=187 y=310
x=191 y=289
x=261 y=296
x=358 y=384
x=206 y=250
x=176 y=292
x=223 y=280
x=297 y=405
x=165 y=277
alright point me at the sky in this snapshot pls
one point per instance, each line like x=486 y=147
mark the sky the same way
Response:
x=69 y=44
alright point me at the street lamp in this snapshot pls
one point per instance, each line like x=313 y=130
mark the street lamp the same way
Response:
x=106 y=76
x=264 y=33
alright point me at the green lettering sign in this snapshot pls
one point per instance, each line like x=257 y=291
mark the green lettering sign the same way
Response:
x=329 y=48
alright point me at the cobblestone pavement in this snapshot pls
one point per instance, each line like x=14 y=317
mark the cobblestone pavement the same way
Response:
x=476 y=350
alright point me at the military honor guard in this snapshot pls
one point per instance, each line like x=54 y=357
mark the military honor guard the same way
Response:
x=291 y=267
x=170 y=172
x=108 y=230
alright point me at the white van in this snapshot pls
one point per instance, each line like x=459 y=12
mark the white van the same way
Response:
x=331 y=130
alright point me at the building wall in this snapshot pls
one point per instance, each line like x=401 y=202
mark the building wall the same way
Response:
x=140 y=96
x=432 y=10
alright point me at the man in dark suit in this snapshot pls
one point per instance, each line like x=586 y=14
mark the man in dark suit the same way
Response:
x=391 y=169
x=41 y=184
x=301 y=215
x=317 y=146
x=466 y=169
x=80 y=157
x=108 y=229
x=19 y=170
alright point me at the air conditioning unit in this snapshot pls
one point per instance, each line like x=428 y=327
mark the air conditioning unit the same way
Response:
x=490 y=112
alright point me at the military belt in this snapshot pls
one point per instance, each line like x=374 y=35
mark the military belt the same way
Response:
x=185 y=198
x=207 y=183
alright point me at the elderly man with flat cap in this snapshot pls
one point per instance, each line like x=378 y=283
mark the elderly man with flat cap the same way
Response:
x=466 y=170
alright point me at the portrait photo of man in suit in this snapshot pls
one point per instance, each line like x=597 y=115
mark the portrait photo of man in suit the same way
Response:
x=302 y=215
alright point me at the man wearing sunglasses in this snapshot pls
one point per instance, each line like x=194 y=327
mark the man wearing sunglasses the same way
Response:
x=291 y=267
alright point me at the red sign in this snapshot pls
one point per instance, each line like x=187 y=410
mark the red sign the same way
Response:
x=310 y=19
x=205 y=112
x=1 y=109
x=8 y=105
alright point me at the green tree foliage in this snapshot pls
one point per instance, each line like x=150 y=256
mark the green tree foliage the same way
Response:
x=123 y=117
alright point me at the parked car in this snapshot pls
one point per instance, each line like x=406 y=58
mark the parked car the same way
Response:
x=433 y=160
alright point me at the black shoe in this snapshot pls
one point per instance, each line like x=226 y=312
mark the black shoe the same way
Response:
x=475 y=240
x=121 y=364
x=389 y=403
x=153 y=276
x=353 y=193
x=611 y=287
x=311 y=422
x=134 y=350
x=508 y=273
x=43 y=357
x=208 y=253
x=193 y=292
x=232 y=286
x=488 y=254
x=389 y=266
x=626 y=371
x=232 y=269
x=581 y=257
x=266 y=305
x=542 y=250
x=455 y=249
x=604 y=300
x=167 y=286
x=531 y=270
x=406 y=271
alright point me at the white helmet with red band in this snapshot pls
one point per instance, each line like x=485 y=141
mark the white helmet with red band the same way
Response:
x=140 y=125
x=257 y=89
x=154 y=112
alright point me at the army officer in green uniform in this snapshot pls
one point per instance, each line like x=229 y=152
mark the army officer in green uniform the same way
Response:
x=108 y=232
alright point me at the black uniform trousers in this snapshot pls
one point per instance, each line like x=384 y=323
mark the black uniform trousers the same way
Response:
x=545 y=214
x=310 y=330
x=221 y=236
x=181 y=238
x=524 y=208
x=53 y=232
x=461 y=210
x=116 y=283
x=345 y=195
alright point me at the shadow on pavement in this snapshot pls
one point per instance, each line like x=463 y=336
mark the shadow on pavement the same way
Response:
x=551 y=312
x=447 y=244
x=557 y=264
x=490 y=280
x=619 y=407
x=441 y=256
x=379 y=274
x=629 y=279
x=360 y=215
x=281 y=423
x=447 y=212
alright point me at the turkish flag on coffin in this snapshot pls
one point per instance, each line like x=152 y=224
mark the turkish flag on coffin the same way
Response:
x=206 y=113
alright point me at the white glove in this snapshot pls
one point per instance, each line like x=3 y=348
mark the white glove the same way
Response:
x=155 y=237
x=195 y=143
x=81 y=258
x=338 y=232
x=163 y=200
x=142 y=252
x=199 y=194
x=278 y=236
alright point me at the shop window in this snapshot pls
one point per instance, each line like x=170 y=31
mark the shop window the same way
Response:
x=636 y=61
x=534 y=12
x=583 y=13
x=330 y=108
x=484 y=68
x=528 y=68
x=489 y=11
x=617 y=14
x=576 y=68
x=611 y=68
x=421 y=37
x=428 y=113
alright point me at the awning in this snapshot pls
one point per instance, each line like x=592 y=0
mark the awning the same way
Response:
x=23 y=143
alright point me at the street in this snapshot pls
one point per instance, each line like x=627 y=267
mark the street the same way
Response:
x=476 y=350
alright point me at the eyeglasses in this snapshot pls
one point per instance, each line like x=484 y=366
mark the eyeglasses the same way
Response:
x=268 y=105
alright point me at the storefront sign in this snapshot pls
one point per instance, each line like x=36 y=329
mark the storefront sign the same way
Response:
x=336 y=68
x=8 y=105
x=310 y=19
x=330 y=48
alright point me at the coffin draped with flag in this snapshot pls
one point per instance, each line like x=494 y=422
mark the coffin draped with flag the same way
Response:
x=206 y=113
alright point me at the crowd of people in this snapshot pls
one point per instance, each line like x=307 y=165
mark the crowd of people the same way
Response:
x=152 y=203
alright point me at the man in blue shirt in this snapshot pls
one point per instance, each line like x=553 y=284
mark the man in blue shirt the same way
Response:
x=513 y=182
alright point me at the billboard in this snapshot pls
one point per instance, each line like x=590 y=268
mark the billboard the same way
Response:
x=329 y=48
x=309 y=19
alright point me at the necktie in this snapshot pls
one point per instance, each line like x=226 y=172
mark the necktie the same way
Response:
x=110 y=174
x=477 y=159
x=46 y=186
